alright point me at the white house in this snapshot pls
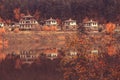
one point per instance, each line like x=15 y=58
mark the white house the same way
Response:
x=51 y=22
x=70 y=24
x=91 y=25
x=1 y=24
x=117 y=27
x=28 y=23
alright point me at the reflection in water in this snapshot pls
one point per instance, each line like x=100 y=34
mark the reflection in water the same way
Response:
x=29 y=52
x=32 y=50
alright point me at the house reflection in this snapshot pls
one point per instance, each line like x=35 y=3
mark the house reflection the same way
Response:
x=29 y=53
x=31 y=50
x=28 y=56
x=51 y=53
x=31 y=56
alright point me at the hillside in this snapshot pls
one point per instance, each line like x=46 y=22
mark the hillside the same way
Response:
x=78 y=9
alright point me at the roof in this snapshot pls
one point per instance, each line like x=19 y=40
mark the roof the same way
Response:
x=27 y=16
x=27 y=20
x=91 y=21
x=70 y=20
x=51 y=19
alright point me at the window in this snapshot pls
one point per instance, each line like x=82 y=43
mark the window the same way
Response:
x=53 y=55
x=23 y=22
x=53 y=21
x=73 y=53
x=89 y=24
x=48 y=22
x=27 y=21
x=34 y=21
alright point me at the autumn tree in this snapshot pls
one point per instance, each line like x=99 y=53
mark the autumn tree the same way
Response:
x=17 y=13
x=108 y=9
x=3 y=43
x=110 y=27
x=103 y=65
x=37 y=15
x=85 y=19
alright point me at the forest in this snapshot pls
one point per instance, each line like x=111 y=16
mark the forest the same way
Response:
x=101 y=10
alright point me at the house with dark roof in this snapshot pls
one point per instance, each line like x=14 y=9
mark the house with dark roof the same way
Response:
x=91 y=26
x=51 y=25
x=70 y=25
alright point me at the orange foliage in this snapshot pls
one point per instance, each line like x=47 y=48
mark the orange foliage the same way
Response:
x=53 y=28
x=6 y=43
x=17 y=13
x=8 y=21
x=2 y=41
x=45 y=28
x=1 y=46
x=85 y=19
x=37 y=15
x=48 y=51
x=2 y=31
x=61 y=37
x=110 y=27
x=1 y=20
x=16 y=30
x=50 y=28
x=111 y=50
x=58 y=21
x=22 y=14
x=2 y=56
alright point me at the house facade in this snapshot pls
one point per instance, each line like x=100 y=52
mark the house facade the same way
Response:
x=71 y=53
x=91 y=26
x=117 y=27
x=70 y=25
x=51 y=25
x=28 y=23
x=51 y=22
x=51 y=53
x=28 y=57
